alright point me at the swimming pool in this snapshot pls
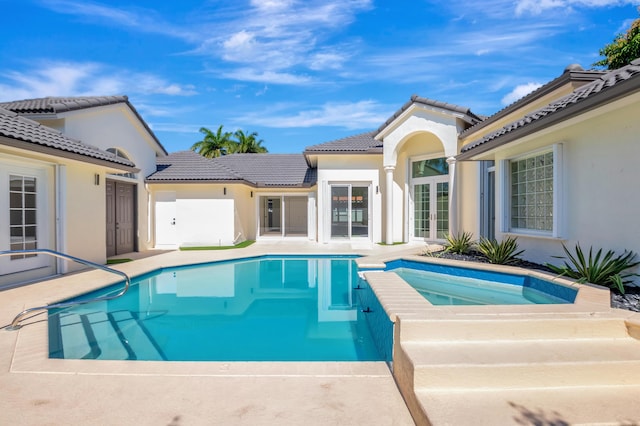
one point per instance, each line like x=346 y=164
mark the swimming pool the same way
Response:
x=448 y=285
x=285 y=308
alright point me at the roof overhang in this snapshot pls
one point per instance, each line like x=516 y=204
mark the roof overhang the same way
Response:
x=410 y=109
x=618 y=91
x=59 y=153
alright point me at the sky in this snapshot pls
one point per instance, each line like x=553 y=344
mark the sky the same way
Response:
x=297 y=72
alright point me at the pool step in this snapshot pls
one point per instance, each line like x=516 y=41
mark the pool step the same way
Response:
x=518 y=360
x=513 y=328
x=617 y=405
x=113 y=336
x=599 y=362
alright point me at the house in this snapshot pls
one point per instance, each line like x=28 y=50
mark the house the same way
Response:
x=557 y=166
x=73 y=170
x=220 y=201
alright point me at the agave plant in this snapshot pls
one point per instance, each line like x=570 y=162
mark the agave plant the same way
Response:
x=502 y=253
x=608 y=270
x=459 y=243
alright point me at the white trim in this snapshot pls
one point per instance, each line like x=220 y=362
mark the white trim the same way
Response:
x=557 y=227
x=60 y=184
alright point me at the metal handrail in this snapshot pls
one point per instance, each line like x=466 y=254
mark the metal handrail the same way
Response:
x=15 y=323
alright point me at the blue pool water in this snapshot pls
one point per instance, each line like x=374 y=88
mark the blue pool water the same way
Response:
x=260 y=309
x=447 y=285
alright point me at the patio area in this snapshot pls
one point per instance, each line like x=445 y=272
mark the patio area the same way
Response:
x=43 y=391
x=456 y=364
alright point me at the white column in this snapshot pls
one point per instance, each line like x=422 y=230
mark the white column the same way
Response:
x=453 y=197
x=389 y=204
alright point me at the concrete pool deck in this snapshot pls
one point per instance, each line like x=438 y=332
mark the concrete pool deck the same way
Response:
x=40 y=391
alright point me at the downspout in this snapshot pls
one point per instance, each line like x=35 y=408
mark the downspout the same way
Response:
x=60 y=191
x=149 y=220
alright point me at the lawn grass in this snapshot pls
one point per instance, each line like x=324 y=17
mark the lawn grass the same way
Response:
x=237 y=246
x=116 y=261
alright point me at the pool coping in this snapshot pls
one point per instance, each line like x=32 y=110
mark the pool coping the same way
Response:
x=26 y=363
x=395 y=295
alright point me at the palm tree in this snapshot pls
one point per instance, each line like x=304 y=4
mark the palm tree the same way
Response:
x=248 y=143
x=214 y=144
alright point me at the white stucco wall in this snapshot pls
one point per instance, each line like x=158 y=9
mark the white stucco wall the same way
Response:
x=204 y=214
x=116 y=126
x=600 y=200
x=85 y=211
x=420 y=132
x=71 y=211
x=351 y=169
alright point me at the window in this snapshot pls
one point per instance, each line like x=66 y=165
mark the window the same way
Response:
x=120 y=154
x=22 y=214
x=534 y=193
x=431 y=167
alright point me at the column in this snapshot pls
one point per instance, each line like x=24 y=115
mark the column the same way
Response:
x=453 y=197
x=389 y=204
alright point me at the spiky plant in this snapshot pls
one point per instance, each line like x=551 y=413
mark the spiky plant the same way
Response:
x=608 y=270
x=501 y=253
x=461 y=243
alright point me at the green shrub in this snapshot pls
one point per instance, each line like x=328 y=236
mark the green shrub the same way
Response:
x=607 y=270
x=501 y=253
x=459 y=243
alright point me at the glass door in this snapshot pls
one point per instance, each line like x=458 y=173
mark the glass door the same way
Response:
x=271 y=216
x=339 y=211
x=349 y=211
x=431 y=208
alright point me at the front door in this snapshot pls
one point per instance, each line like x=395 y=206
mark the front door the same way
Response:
x=121 y=224
x=431 y=208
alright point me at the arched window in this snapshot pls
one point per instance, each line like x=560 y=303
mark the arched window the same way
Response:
x=120 y=154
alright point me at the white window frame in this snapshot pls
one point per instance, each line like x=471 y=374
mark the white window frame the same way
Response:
x=558 y=208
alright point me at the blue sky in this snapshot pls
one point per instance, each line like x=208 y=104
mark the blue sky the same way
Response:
x=297 y=72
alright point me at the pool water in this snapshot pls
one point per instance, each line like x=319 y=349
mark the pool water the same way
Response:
x=445 y=285
x=261 y=309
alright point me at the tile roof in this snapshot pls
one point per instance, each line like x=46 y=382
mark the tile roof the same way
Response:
x=468 y=116
x=45 y=139
x=367 y=142
x=609 y=87
x=258 y=170
x=271 y=169
x=54 y=105
x=572 y=73
x=57 y=105
x=361 y=143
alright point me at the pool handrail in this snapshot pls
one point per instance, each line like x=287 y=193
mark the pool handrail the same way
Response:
x=15 y=324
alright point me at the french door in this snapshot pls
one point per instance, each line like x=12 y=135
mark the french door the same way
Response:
x=430 y=198
x=349 y=211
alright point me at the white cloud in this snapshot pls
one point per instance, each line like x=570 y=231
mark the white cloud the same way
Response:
x=536 y=7
x=144 y=20
x=268 y=77
x=519 y=92
x=358 y=115
x=56 y=78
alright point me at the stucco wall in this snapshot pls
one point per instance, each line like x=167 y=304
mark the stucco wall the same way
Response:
x=599 y=199
x=360 y=169
x=85 y=211
x=204 y=214
x=116 y=126
x=81 y=210
x=469 y=203
x=419 y=146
